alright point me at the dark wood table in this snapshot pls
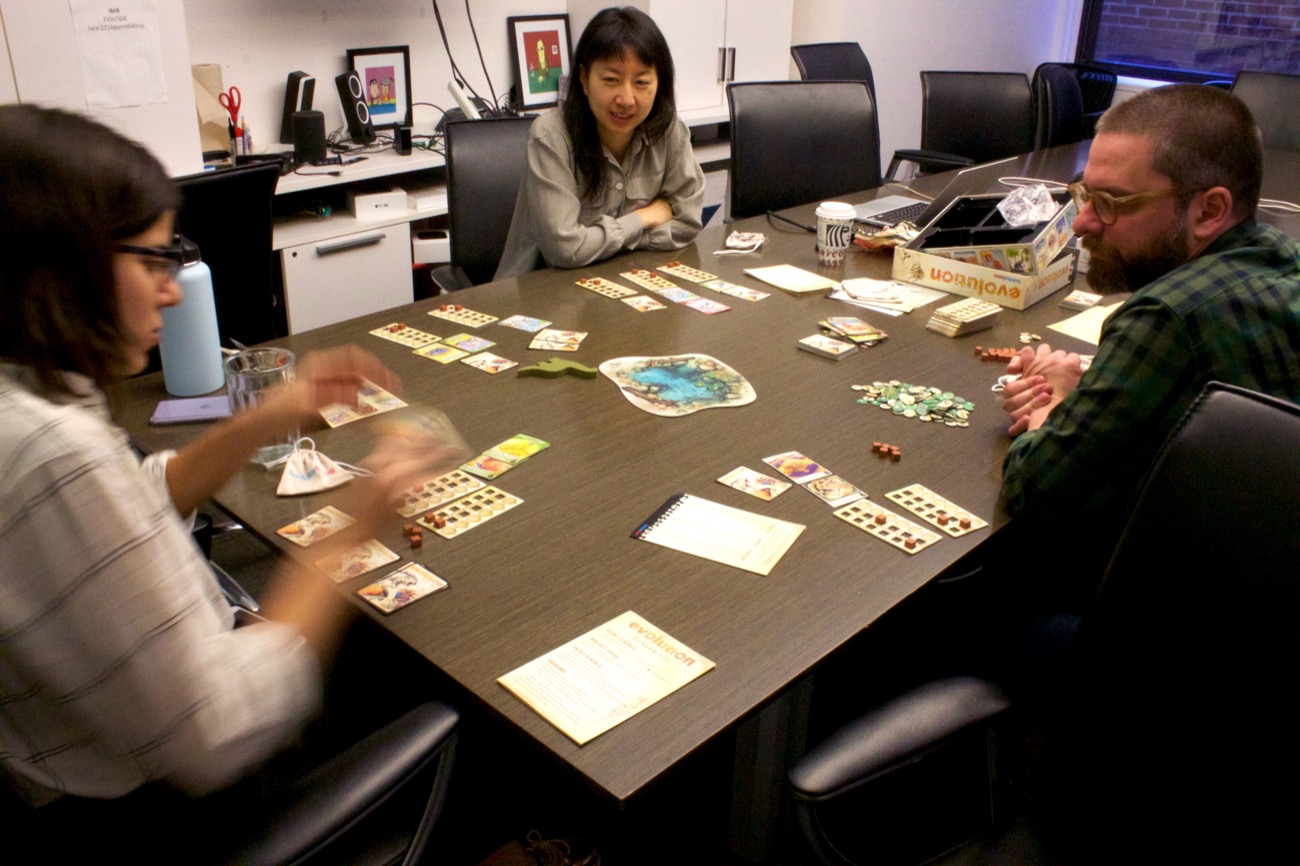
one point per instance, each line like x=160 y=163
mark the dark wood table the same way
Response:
x=563 y=562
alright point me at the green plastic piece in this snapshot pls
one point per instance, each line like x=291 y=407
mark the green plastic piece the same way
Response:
x=553 y=368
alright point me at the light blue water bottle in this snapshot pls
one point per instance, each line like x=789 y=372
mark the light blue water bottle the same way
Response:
x=190 y=343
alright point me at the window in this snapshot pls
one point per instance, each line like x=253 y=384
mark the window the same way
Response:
x=1191 y=40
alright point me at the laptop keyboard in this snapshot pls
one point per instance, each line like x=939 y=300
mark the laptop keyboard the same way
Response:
x=899 y=214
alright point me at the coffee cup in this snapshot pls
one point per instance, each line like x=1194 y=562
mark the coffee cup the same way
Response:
x=834 y=232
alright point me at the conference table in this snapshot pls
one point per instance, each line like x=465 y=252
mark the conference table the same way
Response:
x=563 y=562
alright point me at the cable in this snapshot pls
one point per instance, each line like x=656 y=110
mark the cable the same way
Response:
x=479 y=48
x=1052 y=185
x=446 y=46
x=1274 y=205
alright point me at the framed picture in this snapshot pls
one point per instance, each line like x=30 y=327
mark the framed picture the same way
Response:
x=539 y=47
x=386 y=79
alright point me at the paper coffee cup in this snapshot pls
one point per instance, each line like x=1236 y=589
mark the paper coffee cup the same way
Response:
x=834 y=232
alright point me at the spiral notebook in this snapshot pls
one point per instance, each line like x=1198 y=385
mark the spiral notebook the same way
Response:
x=718 y=532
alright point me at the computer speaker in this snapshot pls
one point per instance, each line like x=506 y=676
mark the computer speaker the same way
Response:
x=299 y=91
x=355 y=111
x=308 y=136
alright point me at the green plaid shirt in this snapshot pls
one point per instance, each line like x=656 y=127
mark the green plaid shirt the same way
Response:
x=1232 y=315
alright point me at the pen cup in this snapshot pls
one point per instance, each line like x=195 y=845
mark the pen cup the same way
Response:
x=834 y=231
x=250 y=375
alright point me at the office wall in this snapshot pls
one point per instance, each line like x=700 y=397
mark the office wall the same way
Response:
x=258 y=42
x=901 y=39
x=8 y=88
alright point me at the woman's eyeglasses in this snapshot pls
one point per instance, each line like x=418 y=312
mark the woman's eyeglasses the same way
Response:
x=160 y=260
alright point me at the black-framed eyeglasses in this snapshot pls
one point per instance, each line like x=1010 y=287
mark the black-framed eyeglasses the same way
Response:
x=161 y=260
x=1108 y=207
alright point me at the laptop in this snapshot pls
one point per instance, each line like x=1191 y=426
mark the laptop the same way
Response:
x=892 y=209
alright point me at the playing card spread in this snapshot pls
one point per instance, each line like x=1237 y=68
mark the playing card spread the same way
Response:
x=409 y=583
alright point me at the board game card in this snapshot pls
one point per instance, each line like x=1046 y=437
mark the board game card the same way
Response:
x=829 y=347
x=461 y=316
x=469 y=342
x=525 y=323
x=735 y=291
x=706 y=306
x=854 y=329
x=796 y=467
x=371 y=400
x=469 y=512
x=487 y=466
x=648 y=279
x=834 y=490
x=518 y=448
x=356 y=561
x=937 y=511
x=555 y=340
x=643 y=303
x=602 y=286
x=398 y=589
x=489 y=363
x=441 y=353
x=902 y=533
x=399 y=332
x=316 y=527
x=436 y=491
x=675 y=294
x=686 y=272
x=755 y=483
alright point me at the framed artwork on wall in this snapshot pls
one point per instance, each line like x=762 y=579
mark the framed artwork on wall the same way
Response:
x=539 y=47
x=386 y=79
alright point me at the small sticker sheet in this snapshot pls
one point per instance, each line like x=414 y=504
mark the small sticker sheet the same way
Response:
x=735 y=291
x=461 y=316
x=469 y=342
x=686 y=272
x=441 y=353
x=796 y=467
x=409 y=583
x=436 y=491
x=489 y=363
x=608 y=288
x=316 y=527
x=706 y=306
x=755 y=483
x=643 y=303
x=890 y=528
x=469 y=512
x=525 y=323
x=371 y=400
x=356 y=561
x=937 y=511
x=555 y=340
x=400 y=332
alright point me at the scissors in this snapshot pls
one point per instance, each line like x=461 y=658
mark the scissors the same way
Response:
x=231 y=101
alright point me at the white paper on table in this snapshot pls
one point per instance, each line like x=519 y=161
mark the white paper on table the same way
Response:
x=890 y=294
x=120 y=46
x=792 y=279
x=605 y=677
x=1086 y=325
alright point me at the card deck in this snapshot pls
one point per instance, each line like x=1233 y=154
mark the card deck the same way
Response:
x=602 y=286
x=400 y=332
x=316 y=527
x=756 y=484
x=356 y=561
x=489 y=363
x=820 y=344
x=902 y=533
x=461 y=316
x=441 y=353
x=398 y=589
x=473 y=510
x=686 y=272
x=937 y=511
x=436 y=491
x=525 y=323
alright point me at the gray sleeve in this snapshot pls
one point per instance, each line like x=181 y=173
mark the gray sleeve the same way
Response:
x=683 y=188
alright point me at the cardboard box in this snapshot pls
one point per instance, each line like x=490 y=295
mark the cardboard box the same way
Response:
x=375 y=202
x=1017 y=291
x=973 y=231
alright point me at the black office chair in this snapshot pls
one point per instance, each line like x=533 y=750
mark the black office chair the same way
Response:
x=794 y=142
x=1097 y=84
x=486 y=161
x=834 y=61
x=969 y=118
x=1174 y=735
x=1274 y=99
x=374 y=804
x=1058 y=106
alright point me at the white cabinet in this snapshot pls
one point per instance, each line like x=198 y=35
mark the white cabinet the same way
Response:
x=713 y=42
x=340 y=278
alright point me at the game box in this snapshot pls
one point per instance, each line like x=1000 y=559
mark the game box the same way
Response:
x=969 y=250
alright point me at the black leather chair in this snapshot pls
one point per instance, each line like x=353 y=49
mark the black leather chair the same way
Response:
x=375 y=804
x=969 y=118
x=486 y=161
x=1097 y=84
x=1058 y=106
x=1174 y=732
x=834 y=61
x=1274 y=99
x=793 y=142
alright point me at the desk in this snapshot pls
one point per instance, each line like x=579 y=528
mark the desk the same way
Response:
x=563 y=563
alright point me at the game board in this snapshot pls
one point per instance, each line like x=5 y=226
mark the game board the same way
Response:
x=677 y=385
x=937 y=511
x=902 y=533
x=473 y=510
x=399 y=332
x=436 y=491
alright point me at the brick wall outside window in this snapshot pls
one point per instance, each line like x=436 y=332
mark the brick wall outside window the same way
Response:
x=1219 y=37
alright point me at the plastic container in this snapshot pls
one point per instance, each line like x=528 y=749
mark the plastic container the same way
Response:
x=191 y=344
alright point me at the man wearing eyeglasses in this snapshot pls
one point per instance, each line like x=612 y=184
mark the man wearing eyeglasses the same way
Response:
x=1166 y=210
